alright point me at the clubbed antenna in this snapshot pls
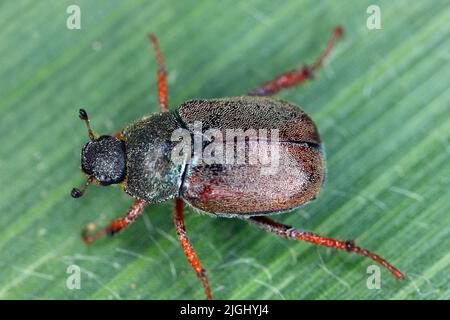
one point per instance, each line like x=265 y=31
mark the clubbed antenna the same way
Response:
x=83 y=116
x=77 y=193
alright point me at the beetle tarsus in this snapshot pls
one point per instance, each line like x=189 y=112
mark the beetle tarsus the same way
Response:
x=188 y=248
x=116 y=225
x=295 y=77
x=349 y=245
x=162 y=73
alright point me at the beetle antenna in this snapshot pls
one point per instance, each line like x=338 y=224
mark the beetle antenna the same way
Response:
x=334 y=36
x=77 y=193
x=83 y=116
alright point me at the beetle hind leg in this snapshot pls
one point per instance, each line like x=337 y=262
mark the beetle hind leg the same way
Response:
x=187 y=247
x=294 y=77
x=293 y=233
x=116 y=225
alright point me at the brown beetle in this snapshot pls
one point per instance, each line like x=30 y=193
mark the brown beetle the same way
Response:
x=140 y=159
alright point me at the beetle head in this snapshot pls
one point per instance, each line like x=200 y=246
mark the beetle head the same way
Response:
x=103 y=159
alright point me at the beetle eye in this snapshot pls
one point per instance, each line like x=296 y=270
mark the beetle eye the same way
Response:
x=105 y=180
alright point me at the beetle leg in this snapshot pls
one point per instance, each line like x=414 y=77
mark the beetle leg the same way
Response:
x=117 y=224
x=161 y=75
x=293 y=233
x=291 y=78
x=188 y=249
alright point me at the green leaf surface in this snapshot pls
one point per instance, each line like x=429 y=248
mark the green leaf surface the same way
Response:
x=381 y=103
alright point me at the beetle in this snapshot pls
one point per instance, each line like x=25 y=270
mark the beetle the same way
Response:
x=138 y=158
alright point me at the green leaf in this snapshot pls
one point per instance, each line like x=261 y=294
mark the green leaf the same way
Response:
x=381 y=103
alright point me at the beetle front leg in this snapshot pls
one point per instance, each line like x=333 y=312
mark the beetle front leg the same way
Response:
x=187 y=247
x=292 y=78
x=161 y=75
x=117 y=224
x=348 y=245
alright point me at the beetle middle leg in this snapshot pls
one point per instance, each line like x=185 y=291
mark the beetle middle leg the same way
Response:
x=188 y=249
x=348 y=245
x=294 y=77
x=117 y=224
x=161 y=75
